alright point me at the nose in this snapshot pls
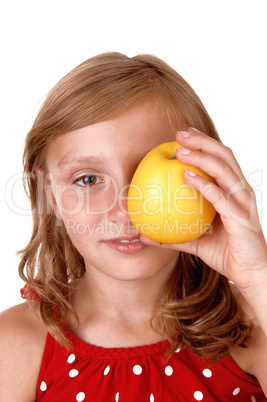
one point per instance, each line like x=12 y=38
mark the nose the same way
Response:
x=119 y=211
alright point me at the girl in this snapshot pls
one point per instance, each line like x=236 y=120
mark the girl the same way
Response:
x=111 y=315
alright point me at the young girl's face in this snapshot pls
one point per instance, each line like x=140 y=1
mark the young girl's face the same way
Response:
x=90 y=171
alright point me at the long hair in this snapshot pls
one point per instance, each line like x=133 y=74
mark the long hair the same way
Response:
x=197 y=310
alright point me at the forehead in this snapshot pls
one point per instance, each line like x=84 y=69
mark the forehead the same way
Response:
x=134 y=131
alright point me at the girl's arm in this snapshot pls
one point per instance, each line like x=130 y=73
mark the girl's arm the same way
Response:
x=237 y=247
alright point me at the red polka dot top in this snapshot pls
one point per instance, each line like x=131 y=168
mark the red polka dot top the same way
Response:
x=138 y=374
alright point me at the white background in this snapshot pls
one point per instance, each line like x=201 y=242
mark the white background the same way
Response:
x=219 y=47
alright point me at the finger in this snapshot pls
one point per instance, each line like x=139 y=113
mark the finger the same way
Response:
x=230 y=180
x=196 y=140
x=229 y=205
x=226 y=178
x=215 y=167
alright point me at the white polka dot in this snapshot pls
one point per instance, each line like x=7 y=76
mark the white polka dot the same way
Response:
x=169 y=370
x=198 y=396
x=106 y=371
x=253 y=399
x=152 y=399
x=117 y=397
x=137 y=369
x=236 y=391
x=73 y=373
x=71 y=358
x=43 y=386
x=207 y=373
x=178 y=350
x=80 y=397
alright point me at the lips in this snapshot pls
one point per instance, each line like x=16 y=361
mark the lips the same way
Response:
x=126 y=244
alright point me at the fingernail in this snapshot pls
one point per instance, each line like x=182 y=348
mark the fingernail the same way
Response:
x=184 y=134
x=183 y=151
x=188 y=171
x=195 y=129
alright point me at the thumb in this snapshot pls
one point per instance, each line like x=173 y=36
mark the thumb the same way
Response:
x=189 y=247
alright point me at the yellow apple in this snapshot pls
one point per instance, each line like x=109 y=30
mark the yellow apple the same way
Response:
x=161 y=205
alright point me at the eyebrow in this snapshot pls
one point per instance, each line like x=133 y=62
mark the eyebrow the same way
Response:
x=72 y=160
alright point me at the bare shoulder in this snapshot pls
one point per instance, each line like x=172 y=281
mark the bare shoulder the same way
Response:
x=253 y=359
x=22 y=339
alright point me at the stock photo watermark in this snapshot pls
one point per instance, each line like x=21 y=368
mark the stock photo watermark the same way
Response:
x=162 y=201
x=155 y=228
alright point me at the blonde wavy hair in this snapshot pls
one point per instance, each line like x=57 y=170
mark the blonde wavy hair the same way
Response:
x=198 y=310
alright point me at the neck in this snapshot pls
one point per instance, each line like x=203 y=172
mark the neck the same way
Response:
x=120 y=311
x=99 y=294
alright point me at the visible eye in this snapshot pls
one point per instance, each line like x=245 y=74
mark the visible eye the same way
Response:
x=88 y=180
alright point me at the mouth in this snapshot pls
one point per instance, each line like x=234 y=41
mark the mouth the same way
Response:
x=126 y=244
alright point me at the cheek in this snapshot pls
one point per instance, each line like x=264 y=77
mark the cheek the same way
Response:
x=81 y=227
x=82 y=203
x=84 y=216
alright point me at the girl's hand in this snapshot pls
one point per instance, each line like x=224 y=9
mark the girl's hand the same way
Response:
x=235 y=245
